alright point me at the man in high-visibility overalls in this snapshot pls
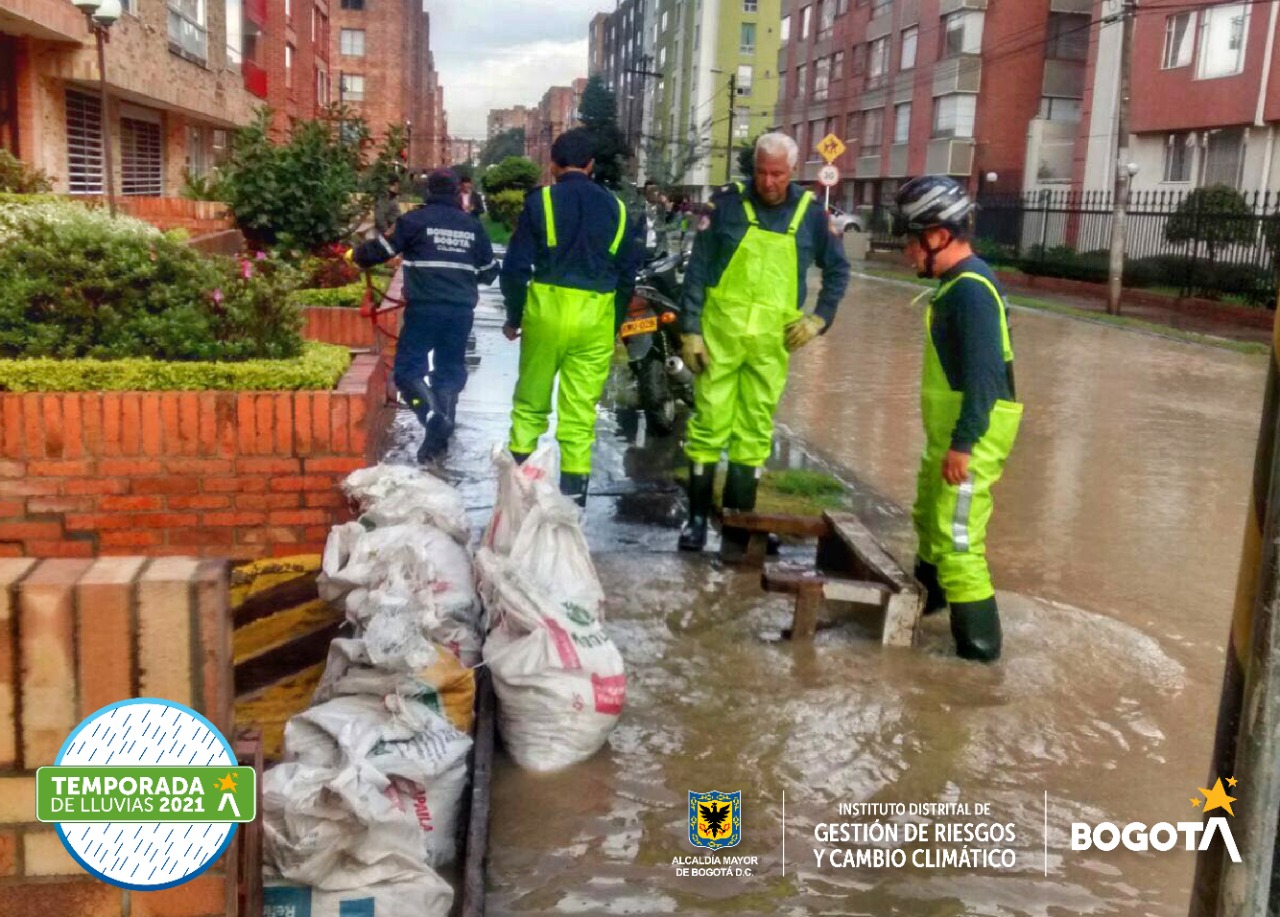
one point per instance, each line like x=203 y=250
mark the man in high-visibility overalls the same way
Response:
x=741 y=313
x=566 y=279
x=968 y=403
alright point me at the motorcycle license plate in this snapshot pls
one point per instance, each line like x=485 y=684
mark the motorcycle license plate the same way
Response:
x=639 y=326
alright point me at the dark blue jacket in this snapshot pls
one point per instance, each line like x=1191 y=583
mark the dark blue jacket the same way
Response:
x=718 y=238
x=446 y=253
x=586 y=220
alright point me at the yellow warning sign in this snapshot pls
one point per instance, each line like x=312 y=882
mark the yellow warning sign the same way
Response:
x=830 y=147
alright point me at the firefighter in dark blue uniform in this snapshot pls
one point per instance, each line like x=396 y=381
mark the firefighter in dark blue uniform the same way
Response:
x=446 y=255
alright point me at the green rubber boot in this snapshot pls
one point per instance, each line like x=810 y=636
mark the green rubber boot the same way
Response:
x=976 y=628
x=935 y=599
x=702 y=481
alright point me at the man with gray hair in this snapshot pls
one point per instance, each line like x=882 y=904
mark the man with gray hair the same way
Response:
x=743 y=295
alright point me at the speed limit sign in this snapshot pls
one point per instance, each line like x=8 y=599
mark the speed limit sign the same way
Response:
x=828 y=176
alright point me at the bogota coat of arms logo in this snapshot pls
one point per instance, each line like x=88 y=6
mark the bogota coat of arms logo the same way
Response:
x=715 y=819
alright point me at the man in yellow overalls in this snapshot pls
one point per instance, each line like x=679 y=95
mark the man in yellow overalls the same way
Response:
x=567 y=276
x=969 y=407
x=741 y=313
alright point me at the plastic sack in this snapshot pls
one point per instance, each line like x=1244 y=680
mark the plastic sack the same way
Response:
x=429 y=896
x=356 y=557
x=394 y=494
x=416 y=757
x=516 y=485
x=443 y=685
x=551 y=551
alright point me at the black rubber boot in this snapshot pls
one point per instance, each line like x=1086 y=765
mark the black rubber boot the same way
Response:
x=574 y=486
x=935 y=599
x=976 y=628
x=420 y=398
x=740 y=486
x=439 y=427
x=520 y=457
x=702 y=481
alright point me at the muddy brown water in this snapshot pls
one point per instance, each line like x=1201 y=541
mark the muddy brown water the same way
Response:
x=1114 y=544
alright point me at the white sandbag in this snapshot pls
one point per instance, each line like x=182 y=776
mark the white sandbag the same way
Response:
x=429 y=896
x=420 y=555
x=516 y=484
x=394 y=494
x=559 y=679
x=552 y=552
x=394 y=738
x=335 y=829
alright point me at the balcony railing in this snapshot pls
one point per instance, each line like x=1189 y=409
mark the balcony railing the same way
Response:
x=255 y=78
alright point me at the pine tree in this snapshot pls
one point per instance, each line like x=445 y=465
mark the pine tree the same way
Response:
x=598 y=112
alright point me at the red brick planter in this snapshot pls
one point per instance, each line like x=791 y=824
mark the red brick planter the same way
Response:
x=229 y=474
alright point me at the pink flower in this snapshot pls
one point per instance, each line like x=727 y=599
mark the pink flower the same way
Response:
x=260 y=256
x=217 y=296
x=246 y=270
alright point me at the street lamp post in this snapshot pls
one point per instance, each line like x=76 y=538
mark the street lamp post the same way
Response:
x=101 y=15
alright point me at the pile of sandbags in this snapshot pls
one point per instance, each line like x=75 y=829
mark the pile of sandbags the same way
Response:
x=558 y=677
x=366 y=806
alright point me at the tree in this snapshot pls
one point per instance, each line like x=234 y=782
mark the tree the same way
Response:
x=668 y=161
x=387 y=166
x=502 y=146
x=1215 y=216
x=598 y=113
x=515 y=173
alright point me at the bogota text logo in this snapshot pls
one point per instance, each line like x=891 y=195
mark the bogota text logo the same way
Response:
x=715 y=819
x=1163 y=836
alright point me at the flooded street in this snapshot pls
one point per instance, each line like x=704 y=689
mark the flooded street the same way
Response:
x=1114 y=544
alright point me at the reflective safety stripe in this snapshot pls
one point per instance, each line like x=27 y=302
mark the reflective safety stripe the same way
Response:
x=622 y=226
x=960 y=524
x=447 y=265
x=387 y=245
x=493 y=263
x=550 y=216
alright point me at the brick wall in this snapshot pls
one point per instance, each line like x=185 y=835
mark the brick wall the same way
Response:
x=197 y=217
x=76 y=635
x=232 y=474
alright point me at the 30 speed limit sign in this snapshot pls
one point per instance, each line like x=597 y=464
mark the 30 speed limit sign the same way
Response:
x=828 y=176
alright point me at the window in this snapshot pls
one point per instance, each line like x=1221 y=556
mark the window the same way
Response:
x=1068 y=36
x=842 y=7
x=235 y=33
x=901 y=123
x=1223 y=157
x=877 y=63
x=826 y=18
x=784 y=31
x=802 y=87
x=872 y=130
x=953 y=115
x=353 y=4
x=804 y=22
x=853 y=127
x=747 y=40
x=879 y=6
x=288 y=66
x=1178 y=150
x=811 y=153
x=1222 y=32
x=84 y=143
x=288 y=10
x=666 y=20
x=741 y=123
x=1179 y=39
x=322 y=87
x=141 y=162
x=821 y=78
x=744 y=80
x=197 y=160
x=351 y=88
x=797 y=132
x=837 y=66
x=859 y=58
x=909 y=38
x=187 y=35
x=750 y=6
x=782 y=85
x=961 y=34
x=1053 y=108
x=351 y=42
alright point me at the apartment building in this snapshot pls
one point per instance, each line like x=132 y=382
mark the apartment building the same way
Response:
x=556 y=113
x=284 y=50
x=933 y=86
x=506 y=119
x=595 y=43
x=627 y=52
x=175 y=90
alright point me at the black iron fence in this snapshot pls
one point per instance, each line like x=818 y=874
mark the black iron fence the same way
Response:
x=1212 y=242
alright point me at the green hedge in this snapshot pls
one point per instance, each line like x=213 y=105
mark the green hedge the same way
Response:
x=347 y=297
x=319 y=367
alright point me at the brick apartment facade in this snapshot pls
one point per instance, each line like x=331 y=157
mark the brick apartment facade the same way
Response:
x=555 y=114
x=381 y=52
x=174 y=93
x=930 y=86
x=506 y=119
x=1206 y=102
x=290 y=44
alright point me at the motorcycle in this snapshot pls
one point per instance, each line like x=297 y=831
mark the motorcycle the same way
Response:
x=651 y=333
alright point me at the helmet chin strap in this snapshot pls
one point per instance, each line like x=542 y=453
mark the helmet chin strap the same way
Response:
x=931 y=254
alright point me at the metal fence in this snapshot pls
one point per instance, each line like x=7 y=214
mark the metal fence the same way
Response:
x=1212 y=242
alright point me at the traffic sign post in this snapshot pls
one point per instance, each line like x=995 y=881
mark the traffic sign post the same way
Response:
x=828 y=176
x=830 y=147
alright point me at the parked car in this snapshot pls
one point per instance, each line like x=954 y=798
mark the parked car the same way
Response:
x=845 y=222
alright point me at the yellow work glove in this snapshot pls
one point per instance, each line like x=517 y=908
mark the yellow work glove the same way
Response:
x=693 y=350
x=803 y=330
x=350 y=256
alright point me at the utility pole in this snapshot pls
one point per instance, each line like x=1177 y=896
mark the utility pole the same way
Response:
x=1120 y=192
x=728 y=140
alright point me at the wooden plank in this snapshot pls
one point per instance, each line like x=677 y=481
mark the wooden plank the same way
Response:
x=870 y=560
x=789 y=578
x=477 y=848
x=856 y=592
x=901 y=616
x=248 y=749
x=808 y=603
x=799 y=526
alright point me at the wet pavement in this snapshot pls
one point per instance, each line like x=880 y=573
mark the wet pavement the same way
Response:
x=1115 y=543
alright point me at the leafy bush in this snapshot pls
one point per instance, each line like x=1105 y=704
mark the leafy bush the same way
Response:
x=19 y=178
x=513 y=173
x=348 y=297
x=80 y=284
x=318 y=367
x=505 y=206
x=1213 y=216
x=201 y=187
x=499 y=233
x=328 y=268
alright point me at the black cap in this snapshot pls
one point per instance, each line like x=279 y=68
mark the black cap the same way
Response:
x=442 y=181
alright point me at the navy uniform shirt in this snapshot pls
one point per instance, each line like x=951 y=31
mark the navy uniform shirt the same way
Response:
x=716 y=242
x=446 y=253
x=966 y=334
x=586 y=220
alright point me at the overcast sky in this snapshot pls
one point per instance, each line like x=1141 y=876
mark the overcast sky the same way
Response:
x=499 y=53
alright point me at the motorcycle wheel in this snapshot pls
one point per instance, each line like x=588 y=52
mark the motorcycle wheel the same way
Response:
x=656 y=397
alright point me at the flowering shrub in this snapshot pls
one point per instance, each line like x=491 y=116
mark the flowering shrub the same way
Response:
x=80 y=284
